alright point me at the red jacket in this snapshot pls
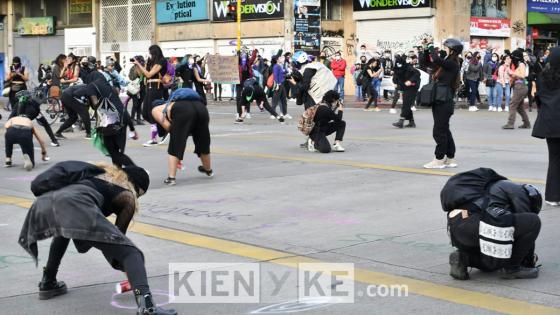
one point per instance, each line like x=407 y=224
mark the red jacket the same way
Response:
x=250 y=61
x=338 y=68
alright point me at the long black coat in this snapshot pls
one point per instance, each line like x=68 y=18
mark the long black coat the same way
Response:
x=547 y=124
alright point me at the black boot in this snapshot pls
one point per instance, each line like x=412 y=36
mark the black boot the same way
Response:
x=519 y=272
x=146 y=305
x=459 y=261
x=411 y=124
x=49 y=287
x=399 y=124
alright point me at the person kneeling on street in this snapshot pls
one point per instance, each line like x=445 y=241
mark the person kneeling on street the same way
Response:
x=493 y=223
x=182 y=116
x=20 y=130
x=327 y=120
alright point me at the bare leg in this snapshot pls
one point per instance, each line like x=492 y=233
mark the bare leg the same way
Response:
x=205 y=159
x=172 y=166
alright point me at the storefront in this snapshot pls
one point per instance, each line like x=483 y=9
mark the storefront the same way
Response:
x=490 y=25
x=543 y=18
x=393 y=25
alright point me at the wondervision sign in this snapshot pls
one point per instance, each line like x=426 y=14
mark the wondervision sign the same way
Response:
x=369 y=5
x=177 y=11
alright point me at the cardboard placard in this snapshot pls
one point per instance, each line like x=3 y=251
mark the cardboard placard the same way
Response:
x=223 y=69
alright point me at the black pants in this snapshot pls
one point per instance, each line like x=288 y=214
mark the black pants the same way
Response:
x=396 y=96
x=409 y=97
x=116 y=145
x=238 y=92
x=266 y=105
x=33 y=112
x=74 y=108
x=530 y=97
x=552 y=192
x=372 y=92
x=465 y=237
x=137 y=100
x=320 y=133
x=13 y=99
x=127 y=256
x=217 y=91
x=445 y=145
x=280 y=98
x=23 y=137
x=152 y=93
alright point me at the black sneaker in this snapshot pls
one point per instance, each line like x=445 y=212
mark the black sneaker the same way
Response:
x=239 y=121
x=51 y=288
x=8 y=164
x=411 y=124
x=59 y=135
x=209 y=173
x=170 y=181
x=519 y=273
x=458 y=261
x=88 y=136
x=303 y=145
x=281 y=119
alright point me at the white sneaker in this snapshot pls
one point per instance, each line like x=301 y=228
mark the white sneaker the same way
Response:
x=495 y=109
x=337 y=147
x=27 y=164
x=272 y=117
x=473 y=109
x=150 y=143
x=164 y=140
x=392 y=111
x=553 y=203
x=435 y=163
x=413 y=108
x=248 y=116
x=450 y=163
x=287 y=116
x=500 y=110
x=507 y=109
x=377 y=109
x=310 y=146
x=490 y=108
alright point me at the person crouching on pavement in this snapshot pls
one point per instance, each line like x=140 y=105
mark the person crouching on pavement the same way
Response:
x=493 y=223
x=328 y=120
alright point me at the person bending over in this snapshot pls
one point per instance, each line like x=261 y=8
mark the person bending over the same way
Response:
x=252 y=91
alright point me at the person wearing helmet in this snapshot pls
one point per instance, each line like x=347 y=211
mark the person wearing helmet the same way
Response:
x=446 y=66
x=493 y=223
x=312 y=81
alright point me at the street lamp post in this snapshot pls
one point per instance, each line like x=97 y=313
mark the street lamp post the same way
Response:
x=238 y=25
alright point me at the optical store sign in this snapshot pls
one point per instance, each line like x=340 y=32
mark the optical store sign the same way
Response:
x=370 y=5
x=250 y=9
x=178 y=11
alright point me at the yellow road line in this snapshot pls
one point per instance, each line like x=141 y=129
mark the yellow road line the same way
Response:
x=424 y=288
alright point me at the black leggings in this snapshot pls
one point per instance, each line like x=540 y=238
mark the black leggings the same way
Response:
x=74 y=108
x=217 y=91
x=372 y=92
x=552 y=192
x=445 y=145
x=21 y=136
x=152 y=93
x=33 y=112
x=465 y=234
x=116 y=145
x=409 y=96
x=127 y=256
x=319 y=135
x=136 y=110
x=280 y=98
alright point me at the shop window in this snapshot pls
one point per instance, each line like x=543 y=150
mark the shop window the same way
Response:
x=80 y=12
x=331 y=9
x=58 y=9
x=65 y=12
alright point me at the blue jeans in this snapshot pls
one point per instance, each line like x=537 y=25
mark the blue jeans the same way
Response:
x=491 y=91
x=358 y=92
x=500 y=94
x=258 y=76
x=339 y=87
x=377 y=85
x=473 y=88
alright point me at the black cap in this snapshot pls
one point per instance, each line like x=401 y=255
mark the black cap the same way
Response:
x=139 y=177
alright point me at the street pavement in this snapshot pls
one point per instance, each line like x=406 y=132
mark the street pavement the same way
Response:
x=277 y=205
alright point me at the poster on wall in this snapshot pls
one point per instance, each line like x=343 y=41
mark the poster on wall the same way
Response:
x=331 y=45
x=370 y=5
x=250 y=10
x=223 y=69
x=490 y=27
x=176 y=11
x=489 y=8
x=36 y=26
x=307 y=26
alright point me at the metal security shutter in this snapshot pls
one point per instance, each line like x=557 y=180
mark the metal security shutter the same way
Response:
x=395 y=34
x=126 y=25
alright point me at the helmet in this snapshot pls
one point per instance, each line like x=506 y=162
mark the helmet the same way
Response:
x=535 y=197
x=92 y=62
x=300 y=57
x=454 y=44
x=23 y=96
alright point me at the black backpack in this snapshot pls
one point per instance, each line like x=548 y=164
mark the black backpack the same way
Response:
x=63 y=174
x=468 y=187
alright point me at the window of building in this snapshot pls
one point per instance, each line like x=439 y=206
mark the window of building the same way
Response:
x=331 y=9
x=489 y=8
x=66 y=12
